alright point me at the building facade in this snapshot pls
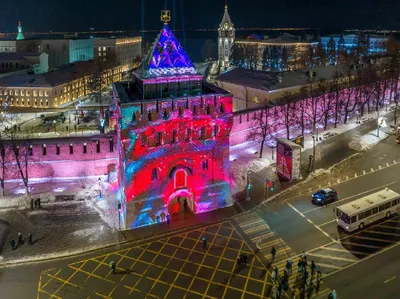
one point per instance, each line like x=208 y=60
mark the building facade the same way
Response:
x=226 y=39
x=52 y=89
x=174 y=137
x=31 y=62
x=126 y=52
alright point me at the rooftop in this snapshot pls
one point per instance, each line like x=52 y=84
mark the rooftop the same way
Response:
x=62 y=75
x=166 y=58
x=269 y=81
x=17 y=55
x=129 y=93
x=285 y=38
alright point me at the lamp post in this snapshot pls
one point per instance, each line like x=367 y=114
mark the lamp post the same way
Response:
x=55 y=126
x=313 y=157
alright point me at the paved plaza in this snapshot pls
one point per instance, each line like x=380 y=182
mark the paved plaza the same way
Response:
x=173 y=267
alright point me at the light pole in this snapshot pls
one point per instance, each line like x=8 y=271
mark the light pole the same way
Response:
x=378 y=125
x=313 y=157
x=55 y=126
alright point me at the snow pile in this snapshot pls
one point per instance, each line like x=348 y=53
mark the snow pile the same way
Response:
x=238 y=172
x=366 y=142
x=93 y=234
x=88 y=193
x=22 y=202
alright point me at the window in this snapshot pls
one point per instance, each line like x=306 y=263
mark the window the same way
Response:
x=35 y=93
x=208 y=109
x=71 y=149
x=159 y=138
x=84 y=148
x=221 y=108
x=44 y=150
x=30 y=151
x=353 y=219
x=154 y=174
x=188 y=134
x=394 y=203
x=180 y=111
x=180 y=179
x=374 y=211
x=215 y=130
x=111 y=141
x=57 y=149
x=174 y=134
x=143 y=139
x=387 y=205
x=381 y=208
x=202 y=133
x=368 y=213
x=255 y=100
x=97 y=146
x=205 y=164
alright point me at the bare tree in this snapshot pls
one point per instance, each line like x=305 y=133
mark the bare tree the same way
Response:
x=286 y=111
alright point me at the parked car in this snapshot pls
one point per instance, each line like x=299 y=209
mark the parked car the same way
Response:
x=325 y=196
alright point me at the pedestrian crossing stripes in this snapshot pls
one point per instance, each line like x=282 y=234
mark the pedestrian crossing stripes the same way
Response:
x=260 y=233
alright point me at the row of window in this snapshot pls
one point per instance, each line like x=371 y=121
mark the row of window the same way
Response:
x=376 y=210
x=155 y=176
x=6 y=65
x=71 y=148
x=202 y=133
x=22 y=92
x=16 y=102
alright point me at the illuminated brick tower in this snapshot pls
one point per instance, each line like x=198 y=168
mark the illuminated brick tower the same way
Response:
x=174 y=137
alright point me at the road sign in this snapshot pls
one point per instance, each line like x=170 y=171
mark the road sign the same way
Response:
x=299 y=140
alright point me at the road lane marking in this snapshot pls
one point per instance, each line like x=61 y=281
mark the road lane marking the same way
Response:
x=355 y=175
x=387 y=164
x=387 y=226
x=328 y=266
x=372 y=170
x=344 y=250
x=332 y=257
x=362 y=193
x=373 y=239
x=382 y=233
x=380 y=167
x=364 y=259
x=361 y=245
x=334 y=220
x=364 y=172
x=25 y=219
x=390 y=279
x=317 y=227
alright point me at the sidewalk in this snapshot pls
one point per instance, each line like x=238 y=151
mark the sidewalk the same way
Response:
x=68 y=228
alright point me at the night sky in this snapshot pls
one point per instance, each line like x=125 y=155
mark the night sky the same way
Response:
x=79 y=15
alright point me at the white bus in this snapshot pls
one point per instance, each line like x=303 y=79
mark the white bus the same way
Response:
x=368 y=209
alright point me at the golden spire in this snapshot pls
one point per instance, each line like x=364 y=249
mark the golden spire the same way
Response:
x=226 y=4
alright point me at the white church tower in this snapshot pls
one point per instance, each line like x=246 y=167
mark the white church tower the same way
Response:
x=226 y=38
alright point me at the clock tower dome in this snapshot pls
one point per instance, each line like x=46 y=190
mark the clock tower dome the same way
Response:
x=226 y=38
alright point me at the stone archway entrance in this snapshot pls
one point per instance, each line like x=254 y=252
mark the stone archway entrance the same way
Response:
x=176 y=202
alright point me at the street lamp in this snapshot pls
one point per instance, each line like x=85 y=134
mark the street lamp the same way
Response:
x=357 y=116
x=55 y=126
x=313 y=157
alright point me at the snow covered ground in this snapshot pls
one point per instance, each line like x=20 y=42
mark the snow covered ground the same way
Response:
x=365 y=142
x=23 y=201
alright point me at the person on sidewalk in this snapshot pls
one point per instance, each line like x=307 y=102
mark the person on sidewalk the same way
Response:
x=168 y=218
x=113 y=266
x=163 y=216
x=185 y=205
x=274 y=274
x=30 y=241
x=245 y=259
x=312 y=268
x=20 y=240
x=179 y=200
x=31 y=204
x=204 y=247
x=12 y=243
x=273 y=252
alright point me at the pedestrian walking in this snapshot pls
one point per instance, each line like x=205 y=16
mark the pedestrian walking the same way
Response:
x=38 y=202
x=30 y=241
x=12 y=243
x=113 y=266
x=245 y=259
x=31 y=203
x=204 y=247
x=239 y=261
x=312 y=267
x=274 y=274
x=179 y=200
x=258 y=245
x=35 y=202
x=20 y=241
x=163 y=216
x=168 y=218
x=273 y=252
x=185 y=205
x=319 y=274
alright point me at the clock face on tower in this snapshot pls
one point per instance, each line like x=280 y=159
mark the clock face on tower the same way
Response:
x=226 y=26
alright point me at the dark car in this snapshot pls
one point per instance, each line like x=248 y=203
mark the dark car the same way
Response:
x=324 y=196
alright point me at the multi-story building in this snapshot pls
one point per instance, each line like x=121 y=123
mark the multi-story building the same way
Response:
x=31 y=62
x=173 y=131
x=376 y=43
x=284 y=53
x=52 y=89
x=125 y=52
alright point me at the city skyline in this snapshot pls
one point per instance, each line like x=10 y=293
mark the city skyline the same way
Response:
x=43 y=15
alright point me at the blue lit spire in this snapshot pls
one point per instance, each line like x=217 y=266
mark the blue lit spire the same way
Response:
x=20 y=35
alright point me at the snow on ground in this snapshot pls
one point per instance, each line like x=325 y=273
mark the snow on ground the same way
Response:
x=22 y=202
x=366 y=142
x=106 y=204
x=92 y=234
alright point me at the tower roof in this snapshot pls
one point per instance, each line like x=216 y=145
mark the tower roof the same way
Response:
x=167 y=58
x=20 y=35
x=226 y=18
